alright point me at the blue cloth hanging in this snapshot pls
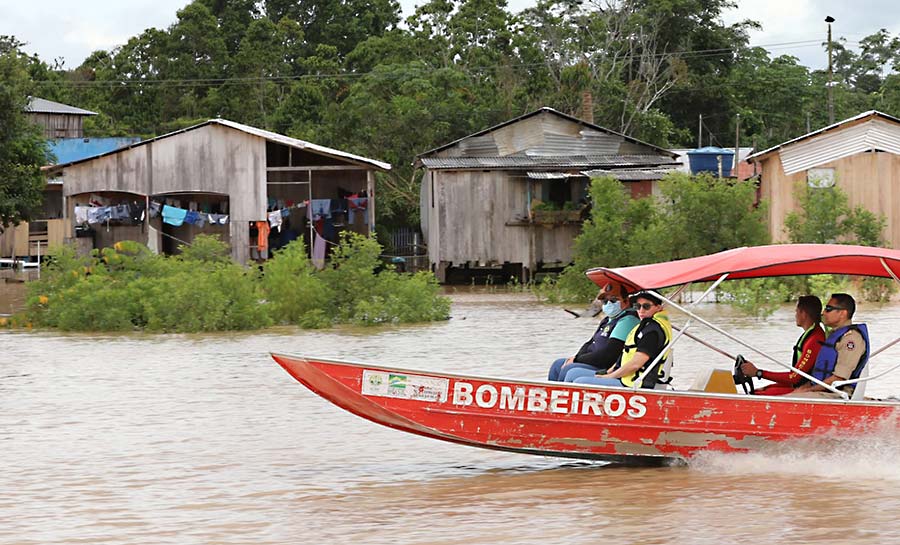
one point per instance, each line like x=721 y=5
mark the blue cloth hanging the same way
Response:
x=173 y=216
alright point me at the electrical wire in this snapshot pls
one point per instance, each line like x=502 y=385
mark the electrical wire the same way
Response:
x=256 y=80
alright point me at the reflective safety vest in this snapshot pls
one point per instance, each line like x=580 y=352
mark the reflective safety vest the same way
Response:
x=659 y=320
x=827 y=359
x=798 y=350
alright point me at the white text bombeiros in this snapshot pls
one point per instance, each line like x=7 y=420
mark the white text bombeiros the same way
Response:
x=537 y=399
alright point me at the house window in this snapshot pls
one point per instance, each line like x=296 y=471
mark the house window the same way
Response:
x=820 y=178
x=565 y=192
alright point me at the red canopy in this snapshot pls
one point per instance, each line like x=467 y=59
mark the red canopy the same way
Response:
x=755 y=262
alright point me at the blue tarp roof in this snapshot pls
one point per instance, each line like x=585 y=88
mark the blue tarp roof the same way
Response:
x=67 y=150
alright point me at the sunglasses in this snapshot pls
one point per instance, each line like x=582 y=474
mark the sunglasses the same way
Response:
x=645 y=306
x=829 y=308
x=610 y=300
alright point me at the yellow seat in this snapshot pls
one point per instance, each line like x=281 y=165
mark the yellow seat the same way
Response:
x=715 y=381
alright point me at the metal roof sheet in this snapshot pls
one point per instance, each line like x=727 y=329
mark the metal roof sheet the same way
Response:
x=550 y=175
x=632 y=175
x=300 y=144
x=522 y=162
x=536 y=112
x=875 y=134
x=262 y=133
x=870 y=113
x=44 y=106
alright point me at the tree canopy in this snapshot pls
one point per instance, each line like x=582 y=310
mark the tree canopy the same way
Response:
x=22 y=148
x=353 y=75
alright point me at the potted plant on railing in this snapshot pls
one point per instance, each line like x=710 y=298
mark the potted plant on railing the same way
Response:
x=550 y=212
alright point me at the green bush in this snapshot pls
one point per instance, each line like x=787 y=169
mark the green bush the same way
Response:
x=294 y=294
x=127 y=287
x=695 y=215
x=824 y=215
x=355 y=288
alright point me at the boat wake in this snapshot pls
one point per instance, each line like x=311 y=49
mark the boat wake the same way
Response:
x=836 y=455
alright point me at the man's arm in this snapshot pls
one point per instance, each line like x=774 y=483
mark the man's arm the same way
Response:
x=636 y=363
x=603 y=359
x=648 y=347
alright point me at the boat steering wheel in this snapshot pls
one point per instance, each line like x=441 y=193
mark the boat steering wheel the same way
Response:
x=740 y=378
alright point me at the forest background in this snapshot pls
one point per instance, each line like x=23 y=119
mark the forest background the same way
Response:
x=352 y=75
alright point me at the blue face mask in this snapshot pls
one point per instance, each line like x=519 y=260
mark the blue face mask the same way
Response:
x=610 y=308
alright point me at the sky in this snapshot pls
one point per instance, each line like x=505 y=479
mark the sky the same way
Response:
x=67 y=30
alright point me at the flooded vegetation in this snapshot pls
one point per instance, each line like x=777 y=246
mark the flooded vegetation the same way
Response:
x=127 y=288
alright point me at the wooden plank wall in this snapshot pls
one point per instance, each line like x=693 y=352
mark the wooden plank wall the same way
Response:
x=867 y=178
x=468 y=222
x=14 y=240
x=473 y=208
x=211 y=159
x=59 y=125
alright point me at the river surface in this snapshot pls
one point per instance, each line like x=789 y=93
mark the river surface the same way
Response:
x=184 y=439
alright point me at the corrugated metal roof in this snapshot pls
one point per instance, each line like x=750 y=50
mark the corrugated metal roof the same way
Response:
x=632 y=175
x=875 y=134
x=482 y=145
x=870 y=113
x=589 y=143
x=44 y=106
x=299 y=144
x=522 y=162
x=268 y=135
x=536 y=112
x=550 y=175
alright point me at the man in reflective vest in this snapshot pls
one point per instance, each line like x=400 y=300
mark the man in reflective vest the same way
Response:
x=642 y=346
x=808 y=317
x=844 y=353
x=603 y=350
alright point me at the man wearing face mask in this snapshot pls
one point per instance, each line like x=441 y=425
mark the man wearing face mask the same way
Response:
x=604 y=348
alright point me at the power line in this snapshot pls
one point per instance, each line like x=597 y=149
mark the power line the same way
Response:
x=205 y=82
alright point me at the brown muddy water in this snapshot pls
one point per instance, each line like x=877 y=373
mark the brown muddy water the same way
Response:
x=154 y=439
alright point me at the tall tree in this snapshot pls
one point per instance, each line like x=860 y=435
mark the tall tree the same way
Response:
x=339 y=23
x=22 y=148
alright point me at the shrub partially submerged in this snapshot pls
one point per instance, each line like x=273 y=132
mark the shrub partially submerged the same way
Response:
x=355 y=288
x=129 y=288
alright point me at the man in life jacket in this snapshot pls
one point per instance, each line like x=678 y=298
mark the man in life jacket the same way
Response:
x=603 y=349
x=808 y=317
x=642 y=346
x=844 y=353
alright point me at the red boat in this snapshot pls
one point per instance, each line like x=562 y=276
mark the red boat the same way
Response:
x=618 y=424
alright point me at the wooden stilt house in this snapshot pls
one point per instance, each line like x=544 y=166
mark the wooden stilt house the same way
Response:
x=512 y=198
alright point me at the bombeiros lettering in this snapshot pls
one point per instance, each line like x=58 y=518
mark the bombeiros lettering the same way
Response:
x=558 y=401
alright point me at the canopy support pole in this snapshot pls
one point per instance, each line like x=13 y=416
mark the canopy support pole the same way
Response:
x=708 y=345
x=668 y=347
x=807 y=376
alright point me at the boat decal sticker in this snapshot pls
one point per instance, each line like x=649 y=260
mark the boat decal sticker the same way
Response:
x=418 y=387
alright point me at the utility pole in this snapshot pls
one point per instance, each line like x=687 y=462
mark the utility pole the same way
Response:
x=700 y=133
x=737 y=144
x=829 y=19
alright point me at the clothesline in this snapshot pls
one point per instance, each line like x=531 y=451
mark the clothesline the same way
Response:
x=177 y=217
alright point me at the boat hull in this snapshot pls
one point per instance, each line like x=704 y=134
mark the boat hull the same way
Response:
x=576 y=421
